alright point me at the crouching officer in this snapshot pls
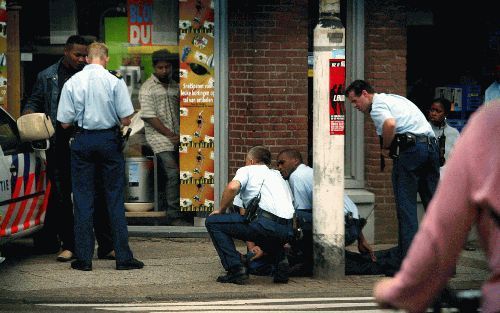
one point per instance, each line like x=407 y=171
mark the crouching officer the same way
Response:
x=270 y=228
x=97 y=102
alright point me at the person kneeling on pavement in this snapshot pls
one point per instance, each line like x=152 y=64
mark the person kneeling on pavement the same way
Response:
x=270 y=227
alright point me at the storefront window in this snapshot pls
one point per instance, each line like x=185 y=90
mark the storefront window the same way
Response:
x=186 y=30
x=133 y=30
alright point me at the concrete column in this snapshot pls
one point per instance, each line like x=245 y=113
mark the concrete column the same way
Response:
x=328 y=150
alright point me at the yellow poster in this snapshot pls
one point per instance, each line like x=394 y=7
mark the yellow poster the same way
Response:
x=197 y=91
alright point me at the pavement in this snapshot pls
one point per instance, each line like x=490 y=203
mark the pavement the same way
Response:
x=177 y=267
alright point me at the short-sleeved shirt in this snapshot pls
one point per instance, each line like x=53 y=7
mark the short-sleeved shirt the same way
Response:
x=161 y=101
x=350 y=207
x=94 y=99
x=276 y=196
x=409 y=118
x=492 y=92
x=301 y=183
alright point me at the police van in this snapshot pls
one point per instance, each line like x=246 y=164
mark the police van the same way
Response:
x=24 y=187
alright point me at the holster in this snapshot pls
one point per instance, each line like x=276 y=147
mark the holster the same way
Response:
x=400 y=143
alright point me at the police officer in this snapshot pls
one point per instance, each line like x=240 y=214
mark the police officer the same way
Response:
x=97 y=102
x=415 y=154
x=270 y=229
x=59 y=217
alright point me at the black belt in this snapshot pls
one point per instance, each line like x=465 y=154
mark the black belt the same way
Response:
x=425 y=139
x=272 y=217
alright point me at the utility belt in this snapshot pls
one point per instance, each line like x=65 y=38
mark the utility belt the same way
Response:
x=80 y=130
x=272 y=217
x=402 y=142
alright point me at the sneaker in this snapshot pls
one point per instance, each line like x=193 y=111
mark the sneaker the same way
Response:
x=81 y=265
x=132 y=264
x=238 y=277
x=65 y=256
x=281 y=272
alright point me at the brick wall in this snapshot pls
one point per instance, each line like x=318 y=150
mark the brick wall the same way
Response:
x=268 y=46
x=385 y=69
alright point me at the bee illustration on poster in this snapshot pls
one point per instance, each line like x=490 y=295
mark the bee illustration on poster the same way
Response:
x=196 y=15
x=197 y=197
x=197 y=127
x=196 y=165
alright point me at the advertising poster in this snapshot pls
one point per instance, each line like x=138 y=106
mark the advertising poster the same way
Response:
x=197 y=94
x=337 y=97
x=140 y=22
x=3 y=53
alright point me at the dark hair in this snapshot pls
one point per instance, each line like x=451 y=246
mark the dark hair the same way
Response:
x=292 y=153
x=76 y=40
x=445 y=103
x=358 y=86
x=260 y=154
x=161 y=55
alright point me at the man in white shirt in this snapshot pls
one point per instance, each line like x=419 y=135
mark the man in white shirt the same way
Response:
x=409 y=140
x=270 y=228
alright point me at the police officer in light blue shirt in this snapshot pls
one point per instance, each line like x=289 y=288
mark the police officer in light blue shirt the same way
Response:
x=415 y=152
x=96 y=103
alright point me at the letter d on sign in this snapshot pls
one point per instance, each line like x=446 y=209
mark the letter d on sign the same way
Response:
x=135 y=34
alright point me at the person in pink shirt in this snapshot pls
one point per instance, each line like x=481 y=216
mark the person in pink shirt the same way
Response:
x=468 y=193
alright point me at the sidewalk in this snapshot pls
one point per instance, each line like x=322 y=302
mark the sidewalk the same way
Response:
x=175 y=269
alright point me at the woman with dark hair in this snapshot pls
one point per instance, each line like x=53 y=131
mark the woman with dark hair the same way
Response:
x=446 y=134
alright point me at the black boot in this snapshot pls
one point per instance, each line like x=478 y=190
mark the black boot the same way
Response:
x=281 y=273
x=236 y=276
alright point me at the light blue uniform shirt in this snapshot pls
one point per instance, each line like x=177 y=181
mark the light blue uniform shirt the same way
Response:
x=492 y=92
x=409 y=118
x=349 y=206
x=301 y=184
x=95 y=99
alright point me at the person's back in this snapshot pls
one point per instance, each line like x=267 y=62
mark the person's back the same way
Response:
x=273 y=189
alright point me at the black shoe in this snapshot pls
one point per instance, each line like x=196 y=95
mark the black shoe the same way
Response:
x=107 y=256
x=281 y=272
x=81 y=265
x=238 y=277
x=132 y=264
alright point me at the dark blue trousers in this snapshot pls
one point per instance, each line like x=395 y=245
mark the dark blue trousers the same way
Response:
x=98 y=154
x=416 y=170
x=268 y=234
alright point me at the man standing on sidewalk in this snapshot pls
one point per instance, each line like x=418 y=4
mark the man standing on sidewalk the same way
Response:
x=96 y=102
x=271 y=228
x=159 y=98
x=59 y=225
x=402 y=127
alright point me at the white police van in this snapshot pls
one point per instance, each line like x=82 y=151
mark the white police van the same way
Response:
x=24 y=187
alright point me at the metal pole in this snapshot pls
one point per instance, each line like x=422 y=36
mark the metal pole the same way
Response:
x=328 y=143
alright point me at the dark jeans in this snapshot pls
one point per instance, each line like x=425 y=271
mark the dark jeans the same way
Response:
x=416 y=170
x=301 y=253
x=268 y=234
x=98 y=154
x=59 y=220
